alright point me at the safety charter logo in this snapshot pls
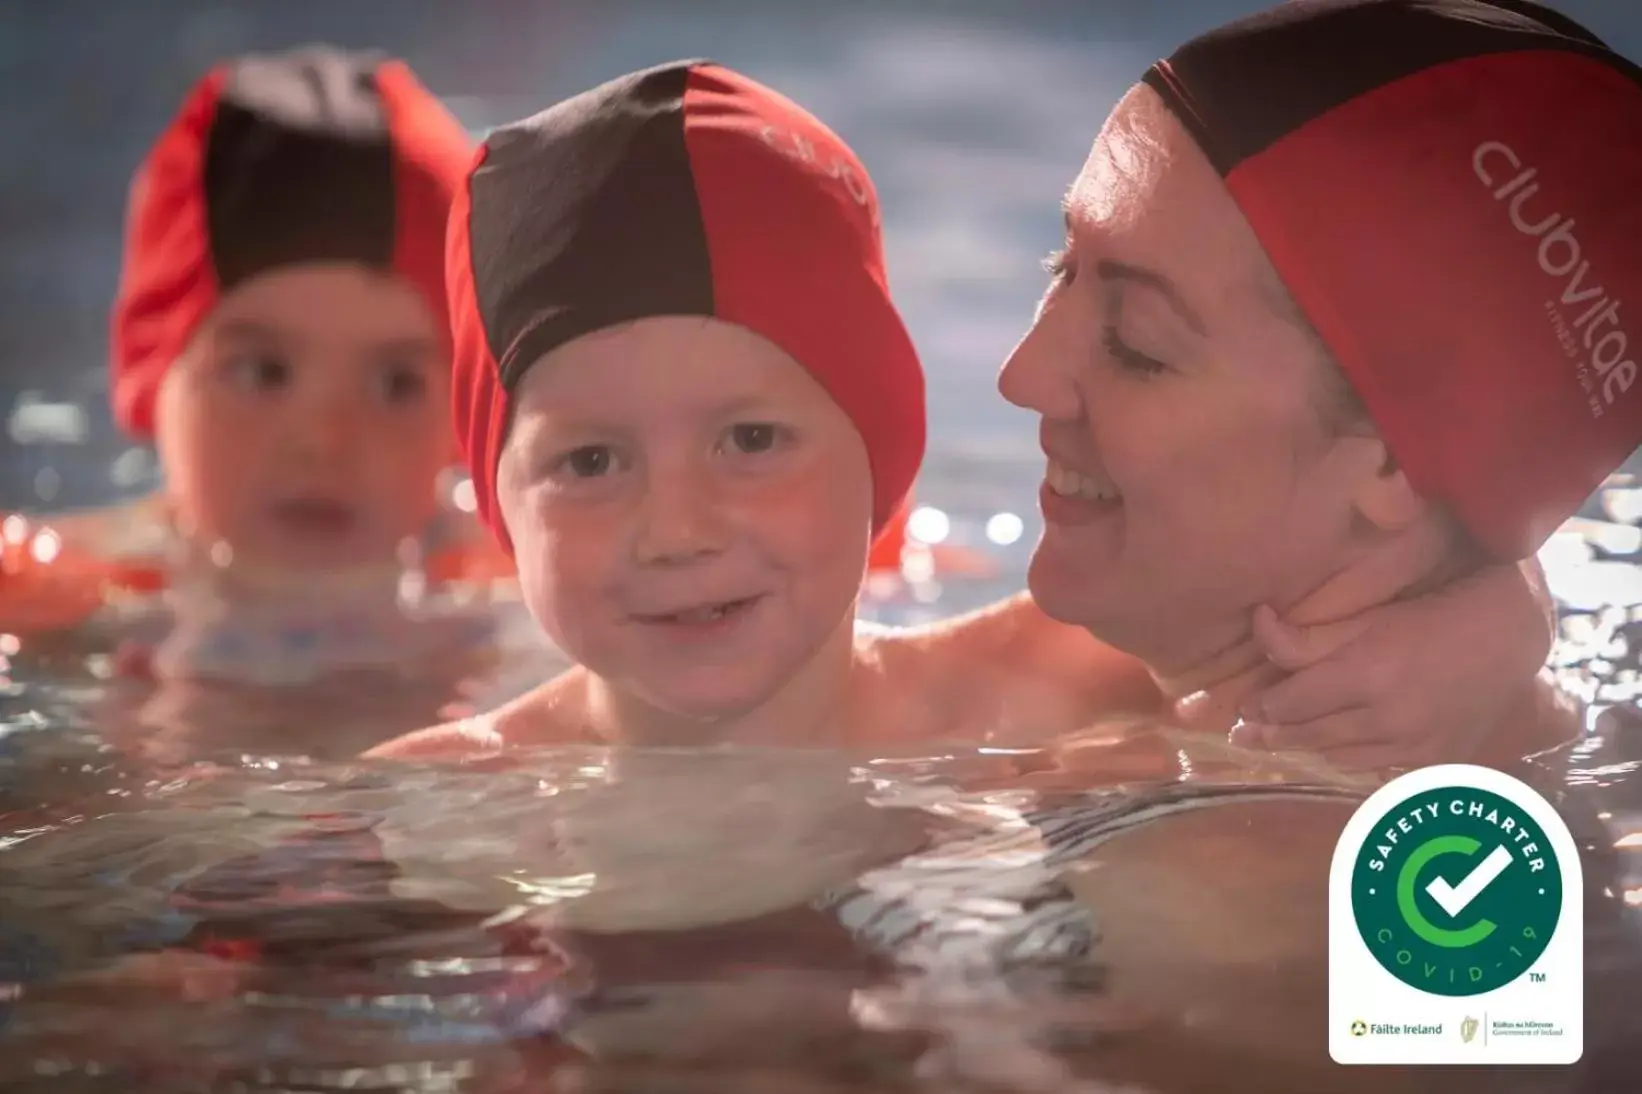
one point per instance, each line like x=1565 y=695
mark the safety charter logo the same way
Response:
x=1455 y=889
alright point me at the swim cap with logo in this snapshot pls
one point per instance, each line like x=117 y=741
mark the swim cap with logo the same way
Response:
x=1452 y=192
x=315 y=155
x=684 y=189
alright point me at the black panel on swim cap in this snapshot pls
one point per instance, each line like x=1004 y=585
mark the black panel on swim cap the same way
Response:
x=1241 y=87
x=299 y=165
x=585 y=216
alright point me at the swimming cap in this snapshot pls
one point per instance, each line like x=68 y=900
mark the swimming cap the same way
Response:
x=685 y=189
x=1452 y=192
x=310 y=156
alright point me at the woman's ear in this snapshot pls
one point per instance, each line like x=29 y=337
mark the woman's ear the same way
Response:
x=1384 y=498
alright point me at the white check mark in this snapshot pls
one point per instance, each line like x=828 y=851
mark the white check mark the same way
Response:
x=1455 y=898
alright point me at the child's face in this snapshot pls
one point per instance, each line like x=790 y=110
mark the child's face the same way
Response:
x=307 y=424
x=689 y=509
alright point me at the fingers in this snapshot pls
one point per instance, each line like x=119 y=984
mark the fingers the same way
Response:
x=1293 y=647
x=1349 y=740
x=1336 y=685
x=1380 y=576
x=1358 y=739
x=1369 y=757
x=1353 y=728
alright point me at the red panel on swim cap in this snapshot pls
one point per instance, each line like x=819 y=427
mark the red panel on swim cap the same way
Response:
x=359 y=164
x=797 y=256
x=1465 y=241
x=432 y=155
x=1452 y=192
x=479 y=402
x=166 y=285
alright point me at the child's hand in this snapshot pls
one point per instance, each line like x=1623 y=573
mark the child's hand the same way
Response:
x=1418 y=682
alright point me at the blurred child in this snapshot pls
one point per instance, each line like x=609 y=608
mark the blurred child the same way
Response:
x=280 y=336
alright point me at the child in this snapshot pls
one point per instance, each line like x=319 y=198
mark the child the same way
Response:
x=688 y=403
x=280 y=336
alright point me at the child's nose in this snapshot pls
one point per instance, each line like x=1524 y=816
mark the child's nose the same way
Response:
x=680 y=518
x=325 y=434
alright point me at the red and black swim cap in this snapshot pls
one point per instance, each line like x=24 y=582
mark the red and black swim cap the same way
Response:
x=685 y=189
x=1452 y=192
x=274 y=160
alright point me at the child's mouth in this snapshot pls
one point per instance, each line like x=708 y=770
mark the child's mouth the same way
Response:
x=316 y=516
x=703 y=615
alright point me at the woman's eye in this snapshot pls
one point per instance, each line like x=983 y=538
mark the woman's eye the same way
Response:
x=1058 y=265
x=1127 y=356
x=1118 y=348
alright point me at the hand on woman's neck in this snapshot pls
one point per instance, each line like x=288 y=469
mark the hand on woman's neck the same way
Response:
x=1415 y=561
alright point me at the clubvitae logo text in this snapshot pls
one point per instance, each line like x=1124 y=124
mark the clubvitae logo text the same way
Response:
x=1589 y=330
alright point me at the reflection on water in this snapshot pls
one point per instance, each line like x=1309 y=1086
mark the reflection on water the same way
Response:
x=630 y=906
x=979 y=920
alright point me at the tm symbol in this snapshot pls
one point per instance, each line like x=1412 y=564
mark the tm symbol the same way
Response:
x=1536 y=977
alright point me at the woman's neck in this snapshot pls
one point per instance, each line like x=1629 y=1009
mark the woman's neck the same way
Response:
x=1208 y=694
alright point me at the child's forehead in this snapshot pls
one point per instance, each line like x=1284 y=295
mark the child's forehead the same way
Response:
x=326 y=306
x=686 y=337
x=682 y=406
x=691 y=362
x=300 y=340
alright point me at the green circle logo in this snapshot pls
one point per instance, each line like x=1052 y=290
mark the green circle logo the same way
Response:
x=1456 y=891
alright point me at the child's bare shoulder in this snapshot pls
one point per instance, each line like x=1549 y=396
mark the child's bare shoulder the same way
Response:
x=461 y=739
x=922 y=655
x=552 y=713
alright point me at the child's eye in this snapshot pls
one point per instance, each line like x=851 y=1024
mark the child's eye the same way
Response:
x=752 y=438
x=587 y=462
x=258 y=371
x=402 y=384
